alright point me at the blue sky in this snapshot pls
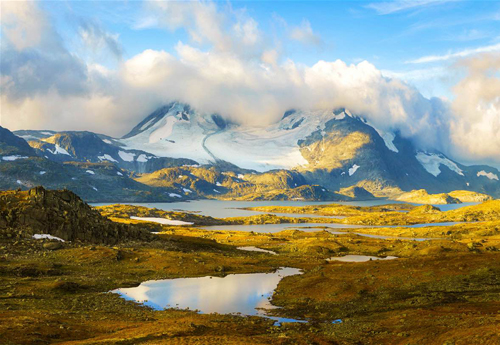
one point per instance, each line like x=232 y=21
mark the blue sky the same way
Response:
x=428 y=69
x=390 y=35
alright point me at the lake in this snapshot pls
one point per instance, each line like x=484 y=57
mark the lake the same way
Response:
x=223 y=208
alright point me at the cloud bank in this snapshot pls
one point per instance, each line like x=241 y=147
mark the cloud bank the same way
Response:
x=230 y=67
x=475 y=126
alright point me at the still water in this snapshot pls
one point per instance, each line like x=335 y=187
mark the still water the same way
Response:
x=360 y=258
x=272 y=228
x=312 y=227
x=246 y=294
x=222 y=208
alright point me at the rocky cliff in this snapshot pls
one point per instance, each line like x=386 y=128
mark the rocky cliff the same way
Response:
x=62 y=214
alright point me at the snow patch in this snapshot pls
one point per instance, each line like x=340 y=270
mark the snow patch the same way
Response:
x=187 y=190
x=432 y=161
x=90 y=172
x=216 y=191
x=144 y=126
x=58 y=150
x=241 y=176
x=19 y=182
x=142 y=158
x=13 y=158
x=107 y=141
x=489 y=175
x=353 y=169
x=163 y=132
x=173 y=195
x=43 y=172
x=126 y=156
x=218 y=184
x=94 y=188
x=119 y=173
x=388 y=137
x=46 y=236
x=340 y=116
x=162 y=220
x=388 y=140
x=107 y=157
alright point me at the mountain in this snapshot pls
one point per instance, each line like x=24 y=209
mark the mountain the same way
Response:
x=456 y=197
x=12 y=147
x=94 y=148
x=213 y=182
x=334 y=149
x=325 y=155
x=21 y=167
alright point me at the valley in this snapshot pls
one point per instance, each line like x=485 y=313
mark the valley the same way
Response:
x=432 y=292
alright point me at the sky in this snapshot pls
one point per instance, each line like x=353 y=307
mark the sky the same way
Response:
x=428 y=69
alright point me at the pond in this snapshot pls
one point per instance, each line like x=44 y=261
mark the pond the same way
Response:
x=256 y=249
x=246 y=294
x=360 y=258
x=312 y=227
x=272 y=228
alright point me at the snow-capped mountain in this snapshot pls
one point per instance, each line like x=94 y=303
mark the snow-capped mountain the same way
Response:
x=335 y=149
x=94 y=148
x=177 y=130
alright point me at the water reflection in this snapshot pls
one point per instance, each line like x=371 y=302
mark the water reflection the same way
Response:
x=360 y=258
x=246 y=294
x=256 y=249
x=229 y=208
x=272 y=228
x=312 y=227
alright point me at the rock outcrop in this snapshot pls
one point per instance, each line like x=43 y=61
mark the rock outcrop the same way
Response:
x=62 y=214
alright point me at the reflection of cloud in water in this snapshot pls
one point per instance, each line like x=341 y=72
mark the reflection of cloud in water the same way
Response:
x=360 y=258
x=237 y=293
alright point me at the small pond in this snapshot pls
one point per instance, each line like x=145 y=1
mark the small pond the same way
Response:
x=256 y=249
x=272 y=228
x=360 y=258
x=246 y=294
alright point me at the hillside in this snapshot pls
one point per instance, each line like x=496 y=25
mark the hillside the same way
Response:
x=21 y=167
x=213 y=182
x=62 y=214
x=455 y=197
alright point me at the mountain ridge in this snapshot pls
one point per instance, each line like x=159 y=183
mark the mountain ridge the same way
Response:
x=335 y=150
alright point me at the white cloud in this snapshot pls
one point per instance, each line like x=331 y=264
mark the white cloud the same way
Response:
x=22 y=23
x=97 y=39
x=247 y=31
x=389 y=7
x=456 y=55
x=305 y=34
x=200 y=19
x=475 y=127
x=416 y=74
